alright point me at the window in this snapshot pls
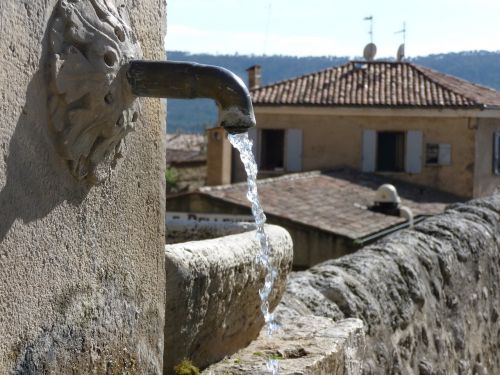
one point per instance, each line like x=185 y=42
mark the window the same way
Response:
x=496 y=152
x=390 y=151
x=432 y=153
x=437 y=154
x=272 y=149
x=277 y=149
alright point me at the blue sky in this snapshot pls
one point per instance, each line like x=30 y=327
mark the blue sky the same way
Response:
x=334 y=27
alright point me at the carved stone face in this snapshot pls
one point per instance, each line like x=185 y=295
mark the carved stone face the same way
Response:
x=91 y=107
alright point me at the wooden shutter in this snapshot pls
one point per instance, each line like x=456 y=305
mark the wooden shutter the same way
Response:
x=414 y=139
x=369 y=153
x=496 y=152
x=293 y=150
x=444 y=157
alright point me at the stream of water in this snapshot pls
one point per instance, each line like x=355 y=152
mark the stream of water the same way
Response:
x=243 y=144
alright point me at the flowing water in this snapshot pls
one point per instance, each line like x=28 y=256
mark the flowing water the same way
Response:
x=244 y=145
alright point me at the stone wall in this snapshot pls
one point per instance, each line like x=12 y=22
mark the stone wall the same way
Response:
x=82 y=268
x=430 y=296
x=306 y=345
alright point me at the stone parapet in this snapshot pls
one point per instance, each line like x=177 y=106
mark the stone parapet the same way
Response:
x=429 y=297
x=308 y=345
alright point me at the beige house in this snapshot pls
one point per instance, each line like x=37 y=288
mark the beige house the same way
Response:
x=396 y=119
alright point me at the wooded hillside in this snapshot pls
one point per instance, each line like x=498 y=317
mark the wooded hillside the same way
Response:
x=194 y=116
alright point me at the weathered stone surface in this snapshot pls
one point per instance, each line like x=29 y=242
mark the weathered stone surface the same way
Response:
x=429 y=296
x=309 y=345
x=213 y=304
x=189 y=230
x=81 y=269
x=91 y=106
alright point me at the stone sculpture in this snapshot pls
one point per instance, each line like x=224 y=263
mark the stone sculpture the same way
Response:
x=91 y=108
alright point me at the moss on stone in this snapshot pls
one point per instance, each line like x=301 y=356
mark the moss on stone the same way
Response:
x=186 y=367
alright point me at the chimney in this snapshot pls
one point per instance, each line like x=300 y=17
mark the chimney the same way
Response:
x=254 y=76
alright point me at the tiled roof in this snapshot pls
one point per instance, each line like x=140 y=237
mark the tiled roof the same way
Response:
x=185 y=156
x=335 y=202
x=377 y=84
x=186 y=148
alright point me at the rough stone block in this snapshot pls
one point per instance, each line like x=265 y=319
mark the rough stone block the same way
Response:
x=308 y=345
x=429 y=296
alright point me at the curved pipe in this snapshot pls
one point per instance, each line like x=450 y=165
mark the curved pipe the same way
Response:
x=186 y=80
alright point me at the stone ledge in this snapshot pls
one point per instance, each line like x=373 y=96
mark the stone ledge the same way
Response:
x=308 y=345
x=212 y=306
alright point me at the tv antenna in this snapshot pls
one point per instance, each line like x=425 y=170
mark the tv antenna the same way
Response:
x=402 y=31
x=401 y=50
x=370 y=49
x=370 y=18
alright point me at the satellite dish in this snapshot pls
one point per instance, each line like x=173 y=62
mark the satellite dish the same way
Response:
x=401 y=52
x=370 y=51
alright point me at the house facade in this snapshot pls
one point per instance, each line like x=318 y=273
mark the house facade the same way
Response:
x=395 y=119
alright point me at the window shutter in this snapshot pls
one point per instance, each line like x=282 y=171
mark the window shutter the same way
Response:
x=293 y=150
x=444 y=157
x=414 y=139
x=368 y=156
x=496 y=152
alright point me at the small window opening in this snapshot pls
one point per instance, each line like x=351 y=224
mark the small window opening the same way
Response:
x=390 y=151
x=432 y=153
x=272 y=149
x=437 y=154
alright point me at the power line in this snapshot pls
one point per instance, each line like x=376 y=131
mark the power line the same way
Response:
x=268 y=22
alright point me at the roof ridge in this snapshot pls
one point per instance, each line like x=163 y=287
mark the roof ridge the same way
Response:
x=443 y=85
x=264 y=181
x=297 y=77
x=456 y=78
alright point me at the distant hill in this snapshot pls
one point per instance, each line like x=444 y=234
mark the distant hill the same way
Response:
x=193 y=116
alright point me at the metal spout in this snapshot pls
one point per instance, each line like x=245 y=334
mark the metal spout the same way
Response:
x=186 y=80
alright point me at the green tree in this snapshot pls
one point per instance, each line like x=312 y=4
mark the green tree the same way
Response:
x=171 y=179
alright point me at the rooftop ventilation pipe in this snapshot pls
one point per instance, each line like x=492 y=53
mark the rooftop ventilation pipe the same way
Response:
x=388 y=202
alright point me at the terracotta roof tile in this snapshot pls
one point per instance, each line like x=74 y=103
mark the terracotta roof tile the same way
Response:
x=377 y=84
x=333 y=201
